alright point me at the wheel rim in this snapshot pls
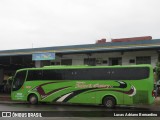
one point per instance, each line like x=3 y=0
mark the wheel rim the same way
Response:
x=109 y=103
x=33 y=99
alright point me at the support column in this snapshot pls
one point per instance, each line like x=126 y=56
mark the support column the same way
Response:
x=37 y=64
x=42 y=63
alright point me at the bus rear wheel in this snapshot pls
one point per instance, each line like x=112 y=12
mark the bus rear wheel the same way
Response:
x=33 y=99
x=109 y=102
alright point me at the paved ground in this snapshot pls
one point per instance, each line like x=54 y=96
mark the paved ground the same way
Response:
x=85 y=108
x=7 y=105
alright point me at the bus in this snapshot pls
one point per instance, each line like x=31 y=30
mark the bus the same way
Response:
x=99 y=85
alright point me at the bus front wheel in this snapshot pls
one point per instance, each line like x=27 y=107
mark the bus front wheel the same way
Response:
x=109 y=102
x=33 y=99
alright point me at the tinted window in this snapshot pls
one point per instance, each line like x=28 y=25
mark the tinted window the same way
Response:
x=98 y=74
x=19 y=80
x=34 y=75
x=90 y=74
x=77 y=74
x=129 y=73
x=53 y=74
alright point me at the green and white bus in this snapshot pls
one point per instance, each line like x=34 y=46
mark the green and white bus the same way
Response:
x=107 y=85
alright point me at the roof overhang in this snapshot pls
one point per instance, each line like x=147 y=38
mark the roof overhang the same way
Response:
x=91 y=48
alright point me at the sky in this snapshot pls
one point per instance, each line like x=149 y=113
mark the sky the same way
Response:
x=45 y=23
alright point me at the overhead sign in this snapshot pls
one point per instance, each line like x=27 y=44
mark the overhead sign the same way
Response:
x=43 y=56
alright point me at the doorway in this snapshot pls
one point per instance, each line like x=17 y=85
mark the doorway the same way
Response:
x=115 y=61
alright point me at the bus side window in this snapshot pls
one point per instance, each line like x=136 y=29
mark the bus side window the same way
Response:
x=34 y=75
x=53 y=74
x=135 y=73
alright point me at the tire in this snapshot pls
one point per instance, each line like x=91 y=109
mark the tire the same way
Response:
x=109 y=102
x=33 y=99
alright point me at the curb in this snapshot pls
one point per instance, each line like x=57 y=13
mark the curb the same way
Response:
x=12 y=102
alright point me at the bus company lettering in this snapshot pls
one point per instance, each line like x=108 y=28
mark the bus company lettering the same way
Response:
x=97 y=85
x=19 y=95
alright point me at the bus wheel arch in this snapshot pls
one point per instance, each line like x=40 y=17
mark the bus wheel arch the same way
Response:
x=32 y=98
x=109 y=101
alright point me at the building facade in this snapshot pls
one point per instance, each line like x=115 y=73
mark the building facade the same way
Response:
x=113 y=58
x=127 y=51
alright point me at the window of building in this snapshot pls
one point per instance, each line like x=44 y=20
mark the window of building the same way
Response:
x=132 y=61
x=66 y=62
x=99 y=61
x=90 y=61
x=143 y=60
x=105 y=61
x=115 y=61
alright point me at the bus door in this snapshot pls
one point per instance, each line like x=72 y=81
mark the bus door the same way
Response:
x=17 y=85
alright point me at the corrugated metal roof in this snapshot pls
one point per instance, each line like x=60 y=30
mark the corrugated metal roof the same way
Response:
x=112 y=46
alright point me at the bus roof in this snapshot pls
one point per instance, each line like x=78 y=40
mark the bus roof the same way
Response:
x=84 y=66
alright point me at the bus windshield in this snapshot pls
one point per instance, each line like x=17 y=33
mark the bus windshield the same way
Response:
x=18 y=80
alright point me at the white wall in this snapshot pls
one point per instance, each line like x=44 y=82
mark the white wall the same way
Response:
x=78 y=59
x=132 y=55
